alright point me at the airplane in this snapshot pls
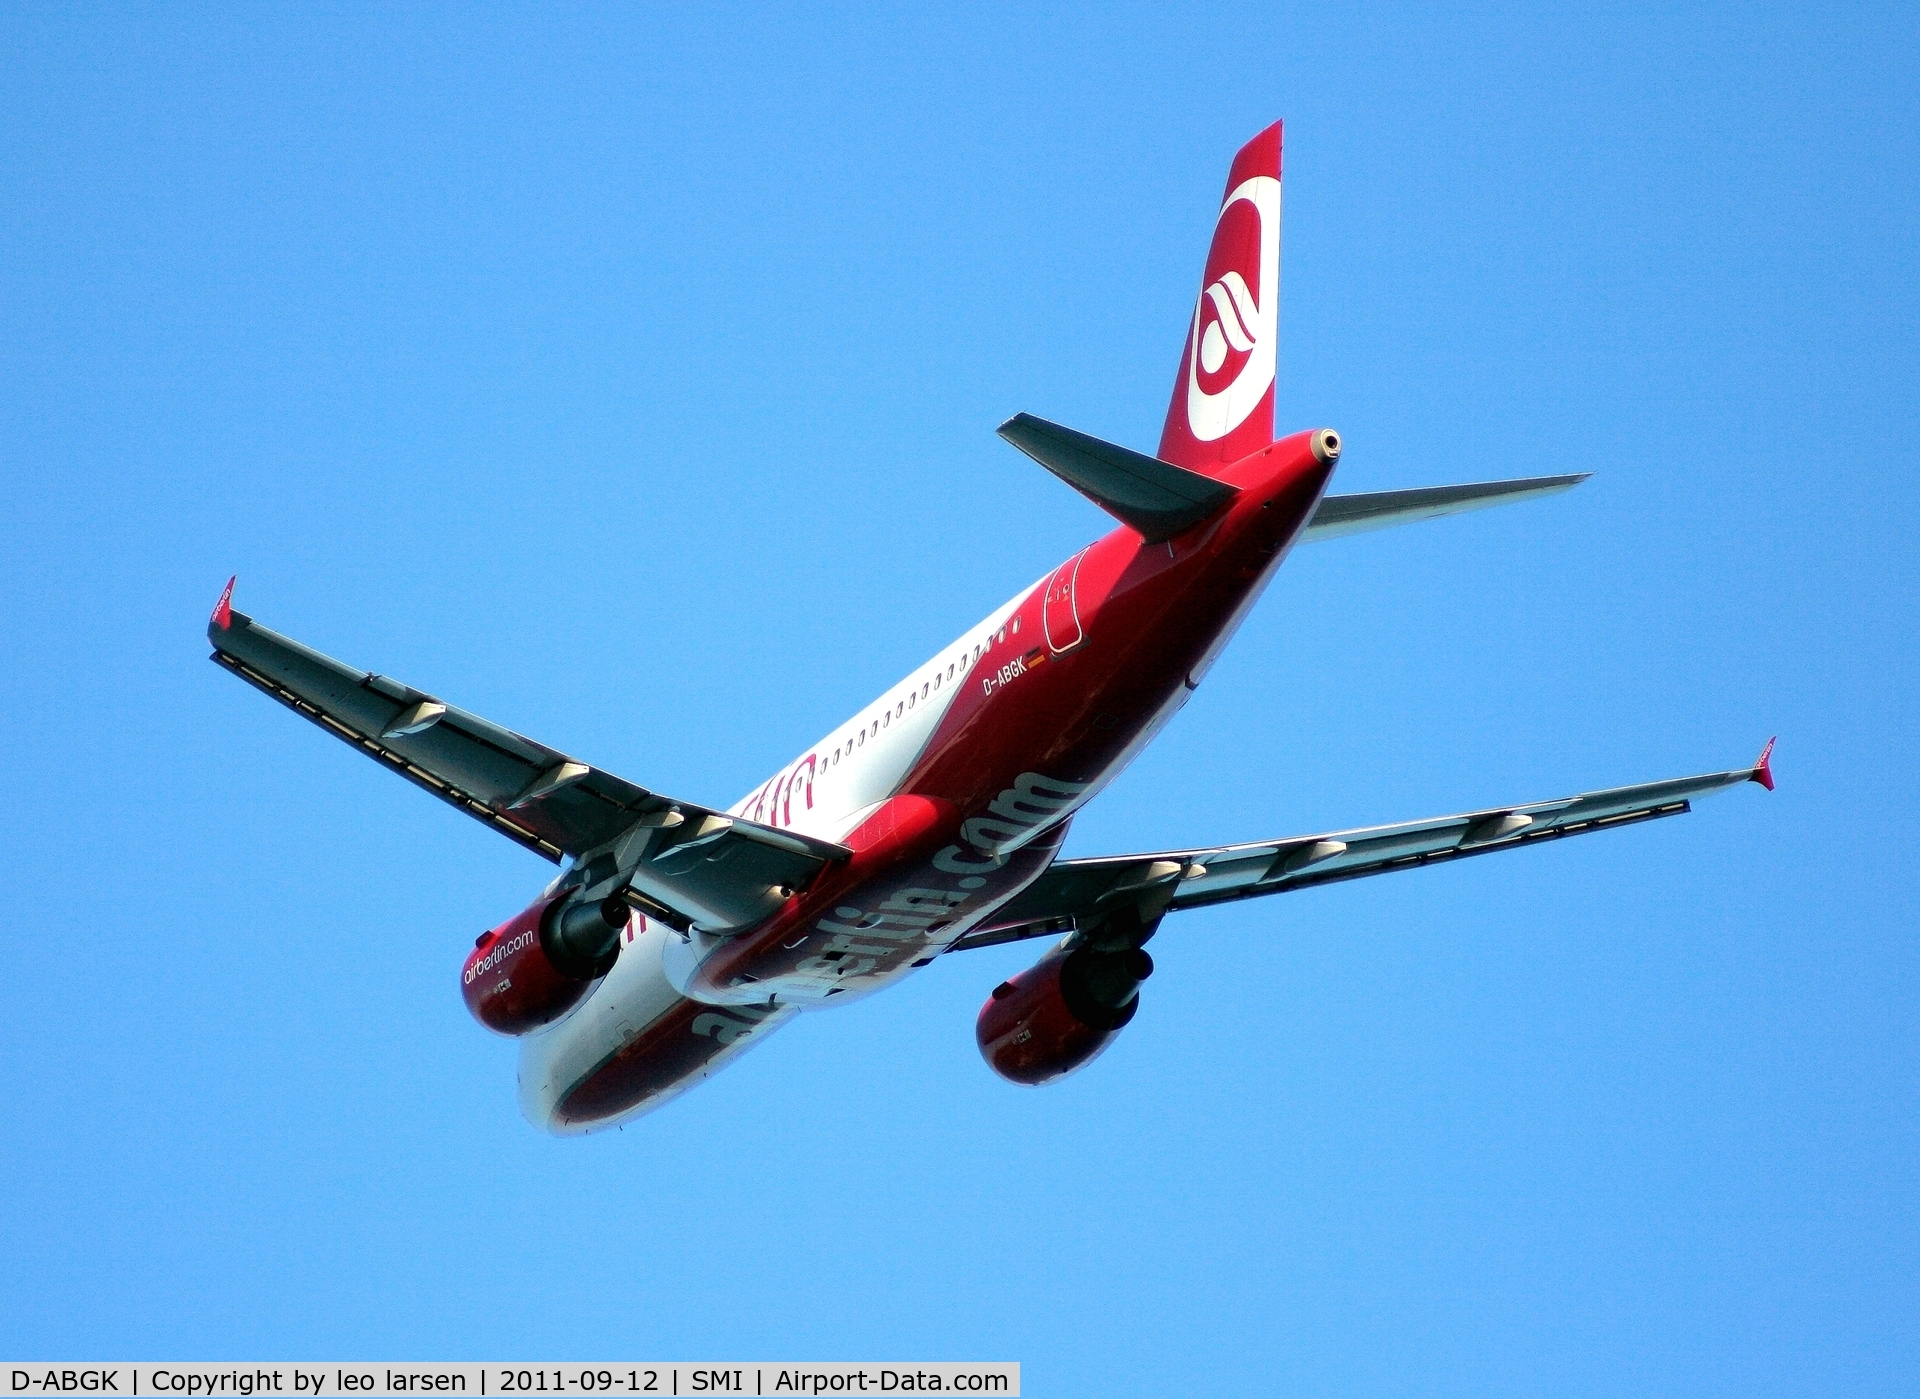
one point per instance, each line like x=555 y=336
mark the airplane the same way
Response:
x=678 y=935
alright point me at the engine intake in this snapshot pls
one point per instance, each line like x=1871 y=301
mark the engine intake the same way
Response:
x=1061 y=1013
x=540 y=964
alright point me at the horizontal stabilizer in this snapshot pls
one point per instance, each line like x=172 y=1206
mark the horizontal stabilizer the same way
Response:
x=1356 y=514
x=1152 y=496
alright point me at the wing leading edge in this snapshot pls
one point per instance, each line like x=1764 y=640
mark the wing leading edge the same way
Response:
x=1076 y=891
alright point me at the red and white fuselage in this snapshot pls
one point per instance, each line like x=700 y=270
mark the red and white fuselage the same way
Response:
x=955 y=788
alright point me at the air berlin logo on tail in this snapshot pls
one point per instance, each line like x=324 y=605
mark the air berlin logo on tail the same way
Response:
x=1230 y=353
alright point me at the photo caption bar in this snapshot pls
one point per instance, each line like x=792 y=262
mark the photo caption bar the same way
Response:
x=141 y=1379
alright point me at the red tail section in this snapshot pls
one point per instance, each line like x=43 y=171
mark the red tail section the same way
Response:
x=1222 y=405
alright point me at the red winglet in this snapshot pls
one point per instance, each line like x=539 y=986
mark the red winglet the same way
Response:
x=223 y=610
x=1763 y=770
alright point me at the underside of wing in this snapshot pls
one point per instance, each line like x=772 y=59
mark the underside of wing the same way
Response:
x=1074 y=892
x=685 y=863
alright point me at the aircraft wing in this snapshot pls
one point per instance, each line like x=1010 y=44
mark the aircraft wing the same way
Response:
x=1077 y=891
x=689 y=863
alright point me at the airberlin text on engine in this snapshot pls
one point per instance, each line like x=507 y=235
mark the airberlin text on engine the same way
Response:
x=499 y=954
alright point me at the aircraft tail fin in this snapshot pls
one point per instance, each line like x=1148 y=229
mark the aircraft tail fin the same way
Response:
x=1222 y=405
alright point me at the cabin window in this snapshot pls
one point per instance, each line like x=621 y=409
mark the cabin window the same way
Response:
x=909 y=699
x=1016 y=626
x=887 y=718
x=862 y=738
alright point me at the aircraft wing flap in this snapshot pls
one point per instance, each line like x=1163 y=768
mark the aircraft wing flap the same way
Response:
x=687 y=863
x=1071 y=891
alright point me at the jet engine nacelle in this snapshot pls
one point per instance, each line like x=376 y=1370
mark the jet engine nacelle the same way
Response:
x=1061 y=1013
x=538 y=965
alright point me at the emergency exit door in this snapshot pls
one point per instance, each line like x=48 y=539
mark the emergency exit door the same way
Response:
x=1061 y=615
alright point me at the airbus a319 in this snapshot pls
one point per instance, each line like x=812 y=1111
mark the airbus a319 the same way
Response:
x=679 y=935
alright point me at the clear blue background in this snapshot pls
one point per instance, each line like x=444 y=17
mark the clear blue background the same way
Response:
x=630 y=377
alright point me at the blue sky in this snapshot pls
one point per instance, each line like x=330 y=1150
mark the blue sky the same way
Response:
x=630 y=377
